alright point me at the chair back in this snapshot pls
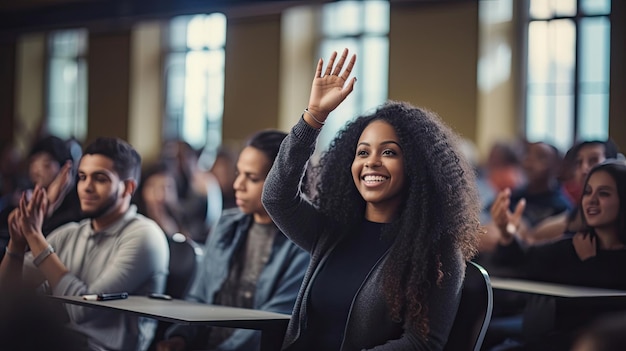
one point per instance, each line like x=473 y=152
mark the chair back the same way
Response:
x=474 y=313
x=185 y=256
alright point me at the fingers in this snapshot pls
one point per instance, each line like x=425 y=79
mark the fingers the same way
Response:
x=339 y=65
x=318 y=70
x=519 y=210
x=348 y=70
x=330 y=64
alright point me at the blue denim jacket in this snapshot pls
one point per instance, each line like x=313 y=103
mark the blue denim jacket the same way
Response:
x=277 y=287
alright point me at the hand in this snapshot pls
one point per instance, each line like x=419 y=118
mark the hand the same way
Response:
x=32 y=213
x=18 y=242
x=330 y=89
x=584 y=245
x=60 y=186
x=506 y=221
x=172 y=344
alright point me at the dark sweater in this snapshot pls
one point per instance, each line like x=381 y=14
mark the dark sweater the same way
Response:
x=369 y=325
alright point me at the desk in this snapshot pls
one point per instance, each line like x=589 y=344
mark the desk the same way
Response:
x=272 y=325
x=558 y=308
x=551 y=289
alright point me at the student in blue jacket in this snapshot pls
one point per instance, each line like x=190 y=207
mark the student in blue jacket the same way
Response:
x=248 y=262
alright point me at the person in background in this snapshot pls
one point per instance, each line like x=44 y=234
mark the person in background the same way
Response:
x=50 y=166
x=393 y=221
x=584 y=156
x=593 y=257
x=113 y=250
x=224 y=171
x=248 y=263
x=540 y=198
x=199 y=194
x=157 y=198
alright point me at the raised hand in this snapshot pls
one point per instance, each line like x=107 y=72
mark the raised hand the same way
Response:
x=329 y=88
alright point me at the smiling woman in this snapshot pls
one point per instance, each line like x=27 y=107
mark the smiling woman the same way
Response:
x=594 y=257
x=393 y=218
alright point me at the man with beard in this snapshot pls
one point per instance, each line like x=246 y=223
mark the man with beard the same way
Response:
x=113 y=250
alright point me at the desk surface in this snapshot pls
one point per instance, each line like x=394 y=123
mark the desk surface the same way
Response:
x=551 y=289
x=185 y=312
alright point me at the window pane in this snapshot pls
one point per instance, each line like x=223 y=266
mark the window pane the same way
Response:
x=595 y=45
x=216 y=31
x=375 y=55
x=595 y=7
x=540 y=9
x=376 y=17
x=594 y=116
x=195 y=80
x=67 y=84
x=564 y=7
x=178 y=33
x=538 y=52
x=563 y=49
x=342 y=18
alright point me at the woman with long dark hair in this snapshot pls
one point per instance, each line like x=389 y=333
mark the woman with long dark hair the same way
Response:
x=393 y=218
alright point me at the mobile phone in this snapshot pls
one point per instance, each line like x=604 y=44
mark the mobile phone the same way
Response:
x=159 y=296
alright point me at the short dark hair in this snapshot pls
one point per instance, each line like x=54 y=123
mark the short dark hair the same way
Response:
x=54 y=146
x=126 y=160
x=610 y=148
x=268 y=142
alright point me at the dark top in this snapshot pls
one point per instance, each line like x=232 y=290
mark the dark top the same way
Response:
x=557 y=262
x=338 y=282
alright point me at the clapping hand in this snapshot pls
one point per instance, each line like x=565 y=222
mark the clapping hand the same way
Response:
x=507 y=222
x=32 y=212
x=329 y=87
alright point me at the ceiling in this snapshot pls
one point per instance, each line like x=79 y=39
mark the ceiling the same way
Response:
x=20 y=16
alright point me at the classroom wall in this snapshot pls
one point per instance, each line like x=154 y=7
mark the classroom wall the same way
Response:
x=108 y=84
x=432 y=60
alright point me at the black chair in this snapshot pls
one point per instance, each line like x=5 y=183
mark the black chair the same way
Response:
x=474 y=313
x=185 y=257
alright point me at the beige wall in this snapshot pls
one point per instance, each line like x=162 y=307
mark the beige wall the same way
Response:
x=251 y=88
x=108 y=77
x=29 y=88
x=146 y=102
x=432 y=60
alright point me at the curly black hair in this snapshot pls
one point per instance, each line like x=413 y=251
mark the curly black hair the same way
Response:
x=440 y=215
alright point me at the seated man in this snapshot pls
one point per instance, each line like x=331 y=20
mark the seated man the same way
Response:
x=113 y=250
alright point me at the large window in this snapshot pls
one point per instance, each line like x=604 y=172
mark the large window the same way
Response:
x=194 y=73
x=67 y=84
x=363 y=28
x=568 y=70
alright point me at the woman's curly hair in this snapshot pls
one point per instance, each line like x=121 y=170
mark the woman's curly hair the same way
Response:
x=440 y=213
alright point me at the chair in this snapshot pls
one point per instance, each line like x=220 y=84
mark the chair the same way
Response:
x=185 y=256
x=474 y=313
